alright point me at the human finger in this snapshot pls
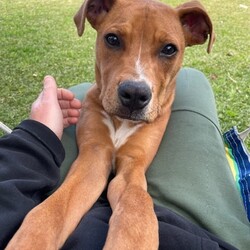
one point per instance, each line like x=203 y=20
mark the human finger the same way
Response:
x=49 y=88
x=70 y=113
x=64 y=94
x=69 y=121
x=74 y=104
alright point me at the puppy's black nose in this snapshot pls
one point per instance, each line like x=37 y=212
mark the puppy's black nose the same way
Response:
x=134 y=95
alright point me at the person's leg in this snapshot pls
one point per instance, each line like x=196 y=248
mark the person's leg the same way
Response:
x=190 y=173
x=92 y=230
x=175 y=232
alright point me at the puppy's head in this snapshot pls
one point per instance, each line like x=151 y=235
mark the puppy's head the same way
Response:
x=139 y=51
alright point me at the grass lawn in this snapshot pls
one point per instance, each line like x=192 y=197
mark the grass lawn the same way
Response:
x=39 y=38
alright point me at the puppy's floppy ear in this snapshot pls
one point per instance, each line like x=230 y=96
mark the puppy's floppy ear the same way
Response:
x=197 y=26
x=94 y=11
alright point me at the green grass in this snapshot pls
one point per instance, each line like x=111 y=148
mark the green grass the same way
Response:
x=39 y=38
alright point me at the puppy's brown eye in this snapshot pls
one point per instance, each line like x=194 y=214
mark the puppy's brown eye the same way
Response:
x=168 y=50
x=112 y=40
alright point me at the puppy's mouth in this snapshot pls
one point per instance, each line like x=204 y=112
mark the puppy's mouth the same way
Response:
x=136 y=116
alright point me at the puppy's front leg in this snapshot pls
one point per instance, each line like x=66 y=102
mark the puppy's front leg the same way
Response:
x=48 y=225
x=133 y=224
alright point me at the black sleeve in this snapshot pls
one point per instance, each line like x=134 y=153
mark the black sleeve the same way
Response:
x=30 y=158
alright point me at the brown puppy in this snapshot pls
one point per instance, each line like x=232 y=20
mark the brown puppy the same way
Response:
x=139 y=51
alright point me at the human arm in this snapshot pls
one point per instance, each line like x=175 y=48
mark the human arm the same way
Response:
x=31 y=155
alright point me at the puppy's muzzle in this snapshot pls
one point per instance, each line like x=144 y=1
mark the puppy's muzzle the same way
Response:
x=134 y=95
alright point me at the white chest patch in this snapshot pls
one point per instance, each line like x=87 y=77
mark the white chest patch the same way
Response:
x=119 y=136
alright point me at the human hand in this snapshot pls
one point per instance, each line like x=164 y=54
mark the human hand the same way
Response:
x=55 y=107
